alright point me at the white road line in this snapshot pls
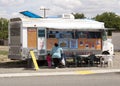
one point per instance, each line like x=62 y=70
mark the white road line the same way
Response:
x=80 y=72
x=36 y=74
x=106 y=71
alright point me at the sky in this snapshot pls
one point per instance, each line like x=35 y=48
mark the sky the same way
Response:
x=90 y=8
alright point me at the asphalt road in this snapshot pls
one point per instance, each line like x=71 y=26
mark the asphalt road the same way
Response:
x=110 y=79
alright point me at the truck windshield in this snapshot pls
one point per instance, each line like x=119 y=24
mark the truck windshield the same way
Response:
x=104 y=36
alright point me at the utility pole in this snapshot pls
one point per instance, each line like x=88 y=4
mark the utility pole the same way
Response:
x=44 y=11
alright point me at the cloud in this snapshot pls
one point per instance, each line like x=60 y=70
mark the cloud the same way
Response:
x=3 y=14
x=16 y=15
x=100 y=2
x=119 y=2
x=67 y=4
x=93 y=7
x=58 y=6
x=11 y=2
x=89 y=7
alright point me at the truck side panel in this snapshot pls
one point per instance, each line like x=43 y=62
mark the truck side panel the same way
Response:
x=24 y=37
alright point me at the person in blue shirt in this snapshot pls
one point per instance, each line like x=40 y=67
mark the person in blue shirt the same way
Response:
x=56 y=55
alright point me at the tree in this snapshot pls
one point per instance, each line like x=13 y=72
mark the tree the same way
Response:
x=79 y=15
x=110 y=19
x=3 y=28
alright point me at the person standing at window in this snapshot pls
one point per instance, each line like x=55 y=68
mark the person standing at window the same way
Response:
x=56 y=55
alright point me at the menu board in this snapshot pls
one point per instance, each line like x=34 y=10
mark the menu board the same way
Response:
x=64 y=43
x=91 y=44
x=41 y=33
x=73 y=43
x=51 y=42
x=81 y=43
x=94 y=44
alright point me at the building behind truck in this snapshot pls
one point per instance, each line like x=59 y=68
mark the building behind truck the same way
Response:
x=75 y=36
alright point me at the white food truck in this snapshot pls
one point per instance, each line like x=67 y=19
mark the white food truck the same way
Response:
x=75 y=36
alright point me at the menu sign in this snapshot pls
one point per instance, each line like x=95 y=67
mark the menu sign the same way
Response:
x=51 y=42
x=94 y=44
x=63 y=43
x=73 y=43
x=41 y=41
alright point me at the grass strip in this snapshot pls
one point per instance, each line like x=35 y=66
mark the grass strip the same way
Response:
x=3 y=52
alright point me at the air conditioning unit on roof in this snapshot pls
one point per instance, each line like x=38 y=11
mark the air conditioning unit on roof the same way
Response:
x=68 y=16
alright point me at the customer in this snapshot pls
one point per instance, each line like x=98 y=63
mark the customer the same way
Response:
x=49 y=61
x=56 y=55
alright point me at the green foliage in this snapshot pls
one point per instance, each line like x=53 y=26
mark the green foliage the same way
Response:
x=3 y=52
x=110 y=19
x=78 y=15
x=3 y=28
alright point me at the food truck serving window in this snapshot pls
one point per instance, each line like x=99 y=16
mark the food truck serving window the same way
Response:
x=60 y=34
x=86 y=34
x=74 y=39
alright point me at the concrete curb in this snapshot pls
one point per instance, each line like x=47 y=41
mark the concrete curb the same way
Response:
x=81 y=72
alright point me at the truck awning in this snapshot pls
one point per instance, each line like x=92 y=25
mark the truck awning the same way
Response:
x=30 y=14
x=63 y=23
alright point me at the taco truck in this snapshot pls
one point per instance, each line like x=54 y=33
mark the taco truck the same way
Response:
x=75 y=36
